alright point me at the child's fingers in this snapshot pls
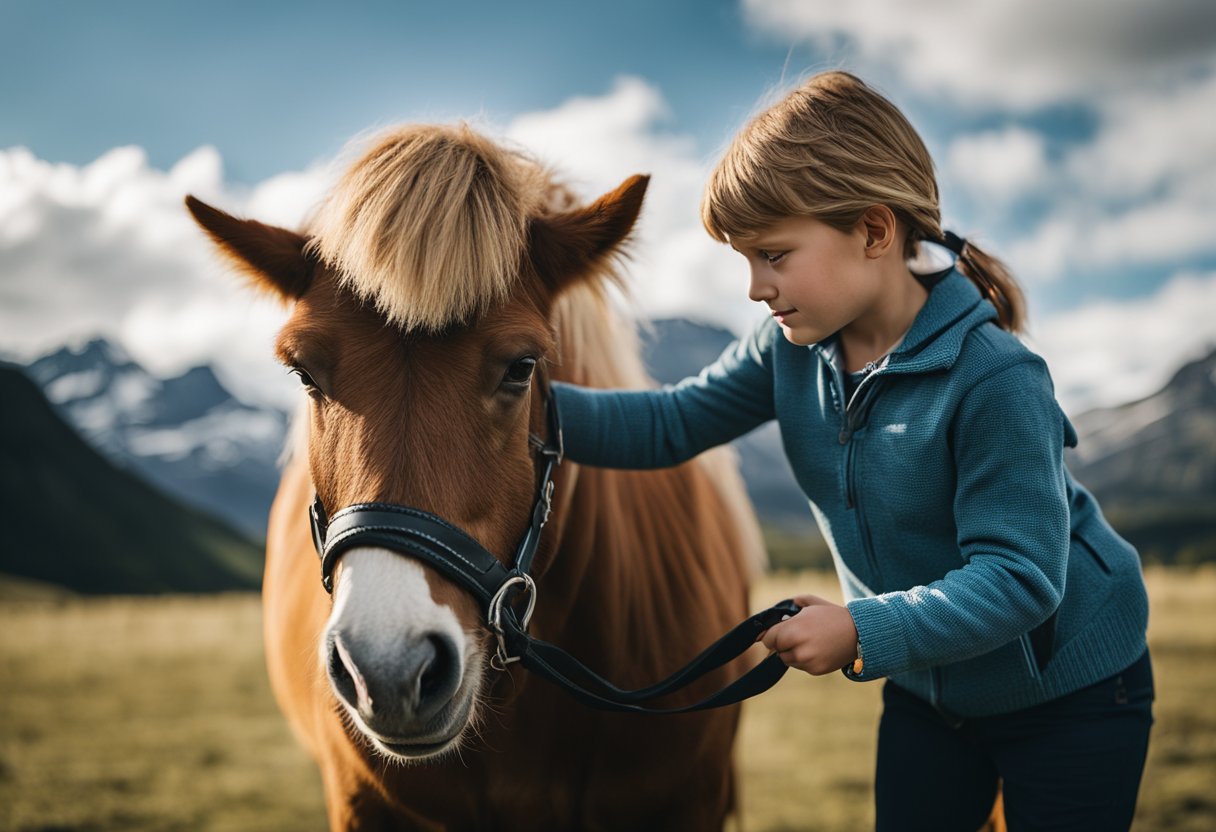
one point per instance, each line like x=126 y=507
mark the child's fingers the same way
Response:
x=811 y=601
x=769 y=637
x=764 y=634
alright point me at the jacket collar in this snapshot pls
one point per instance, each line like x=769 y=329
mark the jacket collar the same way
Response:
x=954 y=308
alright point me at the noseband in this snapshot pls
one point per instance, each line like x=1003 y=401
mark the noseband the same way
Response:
x=498 y=589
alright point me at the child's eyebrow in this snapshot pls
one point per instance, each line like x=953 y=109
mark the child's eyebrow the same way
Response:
x=759 y=241
x=775 y=243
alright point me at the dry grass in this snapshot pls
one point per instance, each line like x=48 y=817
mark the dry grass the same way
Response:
x=141 y=714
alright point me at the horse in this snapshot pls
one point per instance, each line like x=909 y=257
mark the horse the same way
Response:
x=433 y=294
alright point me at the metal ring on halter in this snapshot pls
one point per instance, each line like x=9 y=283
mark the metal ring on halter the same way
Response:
x=494 y=616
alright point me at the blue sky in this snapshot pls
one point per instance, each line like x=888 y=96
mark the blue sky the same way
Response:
x=1075 y=139
x=275 y=86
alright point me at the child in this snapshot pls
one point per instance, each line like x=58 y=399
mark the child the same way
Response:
x=980 y=579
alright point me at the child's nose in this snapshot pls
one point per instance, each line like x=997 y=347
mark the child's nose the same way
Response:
x=760 y=289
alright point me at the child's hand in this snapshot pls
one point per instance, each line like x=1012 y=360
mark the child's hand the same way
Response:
x=820 y=639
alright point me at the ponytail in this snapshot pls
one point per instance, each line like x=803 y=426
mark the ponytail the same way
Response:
x=992 y=277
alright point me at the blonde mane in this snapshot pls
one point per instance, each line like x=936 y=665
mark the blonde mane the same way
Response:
x=429 y=223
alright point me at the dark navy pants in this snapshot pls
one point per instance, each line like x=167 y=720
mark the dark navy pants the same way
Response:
x=1072 y=763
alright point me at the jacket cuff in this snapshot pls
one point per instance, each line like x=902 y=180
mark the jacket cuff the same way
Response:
x=884 y=649
x=577 y=407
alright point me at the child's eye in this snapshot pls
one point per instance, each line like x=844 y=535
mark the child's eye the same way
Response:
x=773 y=256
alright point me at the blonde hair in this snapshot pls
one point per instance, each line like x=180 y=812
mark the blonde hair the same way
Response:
x=830 y=150
x=430 y=223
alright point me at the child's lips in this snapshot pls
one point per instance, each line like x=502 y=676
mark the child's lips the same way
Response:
x=782 y=314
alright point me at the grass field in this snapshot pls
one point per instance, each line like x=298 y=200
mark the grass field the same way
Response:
x=155 y=714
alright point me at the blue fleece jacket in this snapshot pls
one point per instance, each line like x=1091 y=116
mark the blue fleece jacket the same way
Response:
x=980 y=575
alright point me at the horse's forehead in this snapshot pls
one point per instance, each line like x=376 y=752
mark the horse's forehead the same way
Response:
x=329 y=312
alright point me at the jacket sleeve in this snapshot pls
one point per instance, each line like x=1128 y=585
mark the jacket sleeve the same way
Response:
x=658 y=428
x=1011 y=513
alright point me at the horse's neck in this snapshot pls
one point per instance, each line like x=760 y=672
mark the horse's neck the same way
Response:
x=648 y=570
x=587 y=579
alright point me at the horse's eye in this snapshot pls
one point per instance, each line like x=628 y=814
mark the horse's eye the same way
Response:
x=519 y=374
x=305 y=378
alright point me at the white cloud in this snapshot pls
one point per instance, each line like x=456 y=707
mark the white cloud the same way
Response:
x=1004 y=53
x=108 y=248
x=1141 y=192
x=1111 y=352
x=999 y=165
x=1166 y=232
x=1150 y=139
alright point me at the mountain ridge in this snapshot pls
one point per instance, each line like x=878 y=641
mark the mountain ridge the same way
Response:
x=187 y=434
x=80 y=522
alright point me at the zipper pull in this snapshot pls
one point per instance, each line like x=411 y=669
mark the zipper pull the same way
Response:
x=845 y=435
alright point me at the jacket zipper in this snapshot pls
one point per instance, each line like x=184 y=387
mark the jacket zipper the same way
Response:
x=850 y=422
x=854 y=412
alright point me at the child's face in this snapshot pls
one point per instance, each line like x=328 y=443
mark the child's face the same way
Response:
x=815 y=279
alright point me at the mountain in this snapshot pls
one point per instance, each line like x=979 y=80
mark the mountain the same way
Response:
x=78 y=521
x=187 y=434
x=1152 y=465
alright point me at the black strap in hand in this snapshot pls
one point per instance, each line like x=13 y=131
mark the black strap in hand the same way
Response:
x=562 y=669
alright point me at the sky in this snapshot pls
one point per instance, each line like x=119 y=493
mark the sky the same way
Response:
x=1077 y=141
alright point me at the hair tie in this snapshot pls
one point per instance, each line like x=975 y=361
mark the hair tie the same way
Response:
x=953 y=242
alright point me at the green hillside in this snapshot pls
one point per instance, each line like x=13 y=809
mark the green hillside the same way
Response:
x=73 y=519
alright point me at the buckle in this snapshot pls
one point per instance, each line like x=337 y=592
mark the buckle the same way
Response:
x=499 y=606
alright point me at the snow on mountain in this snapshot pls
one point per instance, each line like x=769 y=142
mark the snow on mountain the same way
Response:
x=186 y=434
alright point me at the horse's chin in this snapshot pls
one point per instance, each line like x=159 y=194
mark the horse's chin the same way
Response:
x=416 y=752
x=442 y=735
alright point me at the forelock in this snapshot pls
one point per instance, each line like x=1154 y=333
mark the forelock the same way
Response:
x=430 y=223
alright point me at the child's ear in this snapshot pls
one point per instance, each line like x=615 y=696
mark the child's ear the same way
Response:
x=568 y=247
x=273 y=258
x=881 y=230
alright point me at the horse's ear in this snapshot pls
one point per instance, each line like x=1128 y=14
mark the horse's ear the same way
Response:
x=567 y=247
x=273 y=257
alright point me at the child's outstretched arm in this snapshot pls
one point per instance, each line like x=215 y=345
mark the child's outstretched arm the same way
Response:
x=658 y=428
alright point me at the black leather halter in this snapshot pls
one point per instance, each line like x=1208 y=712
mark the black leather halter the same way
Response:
x=455 y=554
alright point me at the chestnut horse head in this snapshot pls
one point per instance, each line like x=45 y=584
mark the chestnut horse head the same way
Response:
x=437 y=289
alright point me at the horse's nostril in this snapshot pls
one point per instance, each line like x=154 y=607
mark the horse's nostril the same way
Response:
x=440 y=676
x=340 y=676
x=345 y=676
